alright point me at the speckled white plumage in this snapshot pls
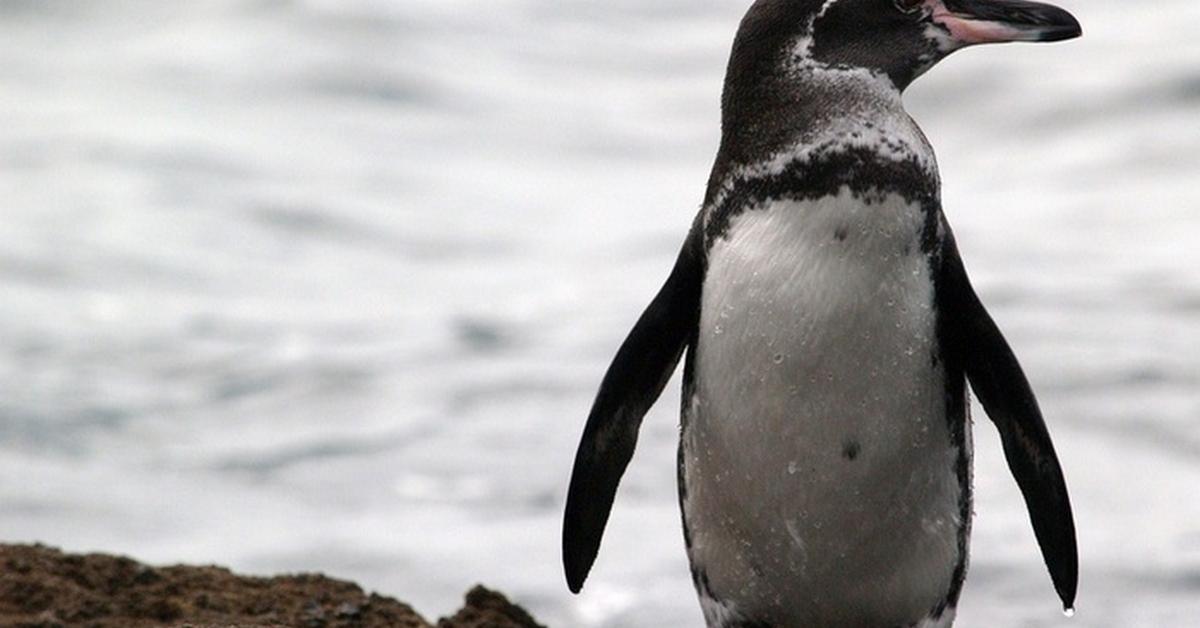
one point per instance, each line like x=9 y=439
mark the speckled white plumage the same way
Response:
x=874 y=119
x=818 y=424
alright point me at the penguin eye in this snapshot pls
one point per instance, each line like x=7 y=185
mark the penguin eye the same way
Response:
x=909 y=6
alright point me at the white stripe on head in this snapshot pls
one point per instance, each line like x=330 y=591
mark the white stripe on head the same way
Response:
x=803 y=47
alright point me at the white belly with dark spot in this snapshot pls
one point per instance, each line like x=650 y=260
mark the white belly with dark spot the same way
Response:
x=821 y=484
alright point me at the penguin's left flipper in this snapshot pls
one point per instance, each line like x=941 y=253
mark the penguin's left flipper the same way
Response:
x=1001 y=386
x=634 y=380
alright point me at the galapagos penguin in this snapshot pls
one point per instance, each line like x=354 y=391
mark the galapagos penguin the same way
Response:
x=830 y=331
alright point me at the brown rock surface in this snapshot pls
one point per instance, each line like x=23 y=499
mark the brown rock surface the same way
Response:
x=41 y=587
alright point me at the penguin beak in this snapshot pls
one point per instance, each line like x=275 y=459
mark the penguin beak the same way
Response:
x=994 y=21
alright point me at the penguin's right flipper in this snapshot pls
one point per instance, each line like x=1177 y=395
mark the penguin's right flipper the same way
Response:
x=998 y=381
x=634 y=380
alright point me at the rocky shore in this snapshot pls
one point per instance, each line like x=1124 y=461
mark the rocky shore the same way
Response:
x=42 y=587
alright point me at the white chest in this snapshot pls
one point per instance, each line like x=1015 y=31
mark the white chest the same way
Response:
x=817 y=446
x=832 y=298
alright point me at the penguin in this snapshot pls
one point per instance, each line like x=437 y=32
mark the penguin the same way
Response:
x=830 y=332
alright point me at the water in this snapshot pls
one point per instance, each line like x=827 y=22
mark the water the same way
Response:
x=329 y=285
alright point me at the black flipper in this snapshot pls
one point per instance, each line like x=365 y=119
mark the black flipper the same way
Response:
x=634 y=381
x=1001 y=386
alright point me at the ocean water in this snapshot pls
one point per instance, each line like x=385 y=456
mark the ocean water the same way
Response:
x=298 y=285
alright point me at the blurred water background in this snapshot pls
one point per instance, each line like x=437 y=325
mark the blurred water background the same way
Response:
x=329 y=285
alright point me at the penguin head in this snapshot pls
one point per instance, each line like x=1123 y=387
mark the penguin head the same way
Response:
x=797 y=62
x=903 y=38
x=899 y=39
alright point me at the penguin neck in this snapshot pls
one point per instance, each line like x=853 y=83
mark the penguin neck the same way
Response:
x=769 y=118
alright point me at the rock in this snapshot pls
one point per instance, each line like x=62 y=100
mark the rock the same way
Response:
x=488 y=609
x=42 y=587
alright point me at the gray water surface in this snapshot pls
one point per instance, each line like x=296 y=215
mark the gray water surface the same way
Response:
x=329 y=285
